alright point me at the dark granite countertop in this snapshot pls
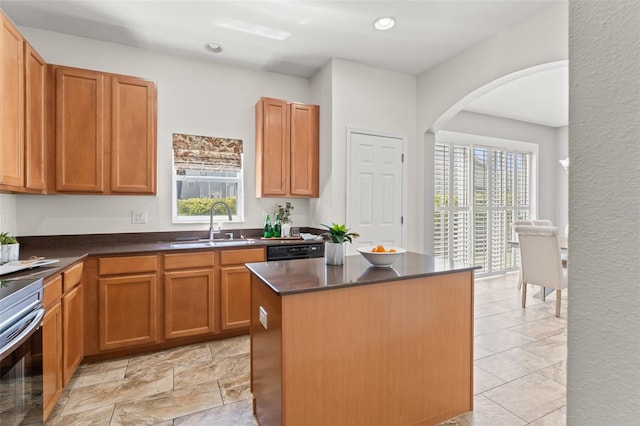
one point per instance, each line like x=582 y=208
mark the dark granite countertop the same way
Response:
x=305 y=275
x=72 y=248
x=56 y=246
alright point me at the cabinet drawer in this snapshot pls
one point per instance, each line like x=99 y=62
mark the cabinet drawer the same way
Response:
x=52 y=291
x=127 y=265
x=189 y=260
x=72 y=276
x=234 y=257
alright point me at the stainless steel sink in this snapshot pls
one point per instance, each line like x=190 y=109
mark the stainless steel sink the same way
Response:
x=214 y=243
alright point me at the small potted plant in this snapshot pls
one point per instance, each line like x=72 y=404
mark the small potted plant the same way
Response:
x=9 y=248
x=334 y=249
x=284 y=212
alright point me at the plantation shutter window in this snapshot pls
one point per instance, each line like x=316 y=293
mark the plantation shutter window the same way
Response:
x=478 y=192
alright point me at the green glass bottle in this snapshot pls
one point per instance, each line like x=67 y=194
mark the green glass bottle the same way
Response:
x=268 y=230
x=277 y=227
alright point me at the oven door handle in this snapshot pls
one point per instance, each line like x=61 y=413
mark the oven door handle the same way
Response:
x=29 y=325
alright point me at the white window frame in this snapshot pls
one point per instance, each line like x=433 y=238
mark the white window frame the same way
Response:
x=473 y=141
x=236 y=218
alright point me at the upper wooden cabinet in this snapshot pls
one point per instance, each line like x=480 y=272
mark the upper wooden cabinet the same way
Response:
x=24 y=114
x=11 y=107
x=36 y=120
x=287 y=149
x=105 y=133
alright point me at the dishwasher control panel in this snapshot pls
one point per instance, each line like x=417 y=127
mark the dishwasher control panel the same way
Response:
x=295 y=251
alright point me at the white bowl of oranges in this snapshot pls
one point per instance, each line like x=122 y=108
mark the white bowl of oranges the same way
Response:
x=381 y=256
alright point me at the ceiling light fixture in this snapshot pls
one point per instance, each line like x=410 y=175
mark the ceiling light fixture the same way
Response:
x=384 y=23
x=214 y=47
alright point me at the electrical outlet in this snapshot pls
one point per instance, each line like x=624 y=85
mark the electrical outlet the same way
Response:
x=138 y=216
x=263 y=316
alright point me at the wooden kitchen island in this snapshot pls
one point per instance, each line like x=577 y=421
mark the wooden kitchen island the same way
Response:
x=357 y=345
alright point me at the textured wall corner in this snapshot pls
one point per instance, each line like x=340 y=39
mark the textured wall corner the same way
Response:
x=604 y=213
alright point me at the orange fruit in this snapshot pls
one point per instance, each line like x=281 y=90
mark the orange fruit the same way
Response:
x=392 y=251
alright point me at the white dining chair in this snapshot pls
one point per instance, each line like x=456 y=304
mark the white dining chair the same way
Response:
x=537 y=222
x=540 y=261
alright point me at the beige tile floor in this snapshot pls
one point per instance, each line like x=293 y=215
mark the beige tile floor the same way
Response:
x=520 y=374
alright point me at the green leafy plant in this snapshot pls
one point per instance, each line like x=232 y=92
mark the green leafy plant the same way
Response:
x=202 y=206
x=284 y=212
x=340 y=233
x=5 y=238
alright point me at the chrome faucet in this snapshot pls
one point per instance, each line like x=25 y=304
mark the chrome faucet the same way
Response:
x=212 y=230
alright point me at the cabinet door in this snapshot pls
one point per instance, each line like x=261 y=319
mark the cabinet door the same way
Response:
x=51 y=358
x=133 y=135
x=127 y=311
x=36 y=118
x=72 y=332
x=11 y=106
x=235 y=293
x=272 y=147
x=80 y=130
x=189 y=303
x=305 y=150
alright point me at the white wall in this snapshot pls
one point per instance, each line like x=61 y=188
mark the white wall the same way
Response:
x=193 y=97
x=372 y=99
x=322 y=95
x=603 y=382
x=8 y=214
x=549 y=205
x=562 y=180
x=445 y=89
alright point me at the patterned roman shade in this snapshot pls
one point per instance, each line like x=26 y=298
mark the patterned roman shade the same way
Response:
x=192 y=152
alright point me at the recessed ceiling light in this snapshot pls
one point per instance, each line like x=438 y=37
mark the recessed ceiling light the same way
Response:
x=214 y=47
x=384 y=23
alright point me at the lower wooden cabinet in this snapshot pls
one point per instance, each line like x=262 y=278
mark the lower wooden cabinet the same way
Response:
x=235 y=293
x=51 y=357
x=189 y=294
x=189 y=308
x=127 y=311
x=153 y=301
x=125 y=297
x=72 y=332
x=235 y=287
x=62 y=333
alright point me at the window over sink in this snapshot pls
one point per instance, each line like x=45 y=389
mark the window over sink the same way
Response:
x=206 y=170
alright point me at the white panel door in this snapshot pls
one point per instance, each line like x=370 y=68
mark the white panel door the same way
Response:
x=374 y=203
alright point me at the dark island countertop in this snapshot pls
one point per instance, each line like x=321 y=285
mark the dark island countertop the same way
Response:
x=305 y=275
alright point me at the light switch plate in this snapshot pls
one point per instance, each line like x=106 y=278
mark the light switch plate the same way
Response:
x=263 y=317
